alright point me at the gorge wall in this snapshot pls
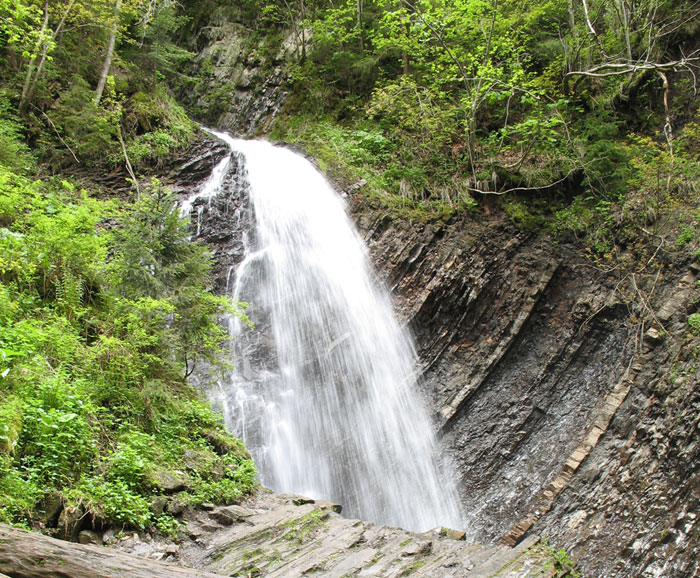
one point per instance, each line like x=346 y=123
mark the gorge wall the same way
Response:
x=563 y=411
x=564 y=393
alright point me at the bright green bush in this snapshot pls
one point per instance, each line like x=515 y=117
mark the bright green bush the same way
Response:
x=14 y=151
x=112 y=500
x=694 y=323
x=97 y=332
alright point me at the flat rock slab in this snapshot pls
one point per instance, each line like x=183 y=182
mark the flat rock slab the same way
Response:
x=285 y=537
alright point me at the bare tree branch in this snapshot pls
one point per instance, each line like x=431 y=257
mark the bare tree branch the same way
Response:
x=527 y=189
x=621 y=68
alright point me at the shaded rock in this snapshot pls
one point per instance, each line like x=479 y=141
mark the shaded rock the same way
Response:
x=453 y=534
x=169 y=481
x=324 y=505
x=70 y=523
x=227 y=515
x=301 y=500
x=158 y=505
x=175 y=507
x=225 y=444
x=417 y=549
x=89 y=537
x=109 y=536
x=50 y=510
x=653 y=335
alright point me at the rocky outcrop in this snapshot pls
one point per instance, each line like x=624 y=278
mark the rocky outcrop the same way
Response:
x=240 y=77
x=566 y=394
x=283 y=536
x=290 y=536
x=183 y=170
x=222 y=222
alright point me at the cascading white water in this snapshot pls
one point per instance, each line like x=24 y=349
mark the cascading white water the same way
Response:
x=324 y=392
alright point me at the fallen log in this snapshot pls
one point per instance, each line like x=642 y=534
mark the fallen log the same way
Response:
x=26 y=554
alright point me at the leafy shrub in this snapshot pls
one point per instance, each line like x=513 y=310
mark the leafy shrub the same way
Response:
x=159 y=125
x=130 y=460
x=169 y=526
x=686 y=235
x=91 y=131
x=92 y=358
x=112 y=500
x=14 y=152
x=694 y=323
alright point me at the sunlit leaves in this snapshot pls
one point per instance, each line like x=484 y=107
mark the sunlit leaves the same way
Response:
x=91 y=367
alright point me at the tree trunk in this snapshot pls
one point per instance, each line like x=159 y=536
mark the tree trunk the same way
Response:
x=31 y=555
x=360 y=28
x=35 y=72
x=32 y=66
x=110 y=53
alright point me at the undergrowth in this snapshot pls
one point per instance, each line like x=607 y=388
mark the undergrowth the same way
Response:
x=99 y=325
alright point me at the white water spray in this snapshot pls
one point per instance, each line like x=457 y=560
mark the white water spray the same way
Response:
x=324 y=392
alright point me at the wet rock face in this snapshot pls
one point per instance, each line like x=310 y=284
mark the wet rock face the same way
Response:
x=561 y=416
x=223 y=221
x=189 y=168
x=241 y=84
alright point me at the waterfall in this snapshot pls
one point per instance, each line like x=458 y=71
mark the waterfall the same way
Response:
x=324 y=392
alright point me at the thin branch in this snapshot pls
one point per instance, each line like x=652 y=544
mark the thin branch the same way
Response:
x=588 y=19
x=661 y=244
x=527 y=189
x=129 y=168
x=53 y=126
x=646 y=306
x=620 y=68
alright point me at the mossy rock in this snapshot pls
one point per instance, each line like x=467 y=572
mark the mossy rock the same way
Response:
x=226 y=444
x=50 y=509
x=169 y=481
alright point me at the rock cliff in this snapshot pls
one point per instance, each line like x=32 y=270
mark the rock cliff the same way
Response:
x=566 y=394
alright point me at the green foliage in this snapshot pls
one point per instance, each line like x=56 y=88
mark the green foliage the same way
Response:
x=11 y=415
x=112 y=500
x=236 y=483
x=351 y=154
x=19 y=24
x=491 y=97
x=686 y=235
x=159 y=124
x=90 y=131
x=559 y=561
x=48 y=61
x=169 y=526
x=159 y=272
x=563 y=565
x=14 y=152
x=153 y=48
x=96 y=333
x=694 y=323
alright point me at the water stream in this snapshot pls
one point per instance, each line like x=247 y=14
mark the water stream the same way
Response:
x=324 y=392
